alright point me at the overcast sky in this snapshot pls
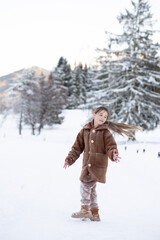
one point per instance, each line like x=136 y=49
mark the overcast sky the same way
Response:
x=39 y=32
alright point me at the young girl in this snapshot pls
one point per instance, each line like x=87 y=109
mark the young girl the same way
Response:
x=97 y=143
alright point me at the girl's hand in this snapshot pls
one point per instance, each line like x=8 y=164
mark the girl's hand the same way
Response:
x=115 y=156
x=66 y=164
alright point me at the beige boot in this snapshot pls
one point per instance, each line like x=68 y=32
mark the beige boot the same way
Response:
x=95 y=215
x=83 y=213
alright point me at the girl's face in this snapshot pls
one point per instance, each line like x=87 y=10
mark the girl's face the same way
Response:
x=100 y=118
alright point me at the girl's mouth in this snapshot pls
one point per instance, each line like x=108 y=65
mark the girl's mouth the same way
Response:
x=101 y=121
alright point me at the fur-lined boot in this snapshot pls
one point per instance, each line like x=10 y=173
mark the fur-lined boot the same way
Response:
x=83 y=213
x=95 y=215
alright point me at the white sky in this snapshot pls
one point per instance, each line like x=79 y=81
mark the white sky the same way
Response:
x=39 y=32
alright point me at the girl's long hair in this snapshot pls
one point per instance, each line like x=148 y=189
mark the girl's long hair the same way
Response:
x=120 y=128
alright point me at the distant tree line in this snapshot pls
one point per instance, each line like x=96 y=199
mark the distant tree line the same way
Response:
x=126 y=79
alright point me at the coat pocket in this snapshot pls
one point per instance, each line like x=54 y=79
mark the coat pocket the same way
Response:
x=101 y=160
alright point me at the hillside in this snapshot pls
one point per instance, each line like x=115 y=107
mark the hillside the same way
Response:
x=6 y=80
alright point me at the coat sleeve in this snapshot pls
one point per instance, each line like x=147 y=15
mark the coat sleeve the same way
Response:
x=110 y=144
x=77 y=148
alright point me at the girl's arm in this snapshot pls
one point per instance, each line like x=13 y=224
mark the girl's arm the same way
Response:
x=76 y=150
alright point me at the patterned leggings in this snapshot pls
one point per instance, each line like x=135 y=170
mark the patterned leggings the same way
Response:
x=88 y=192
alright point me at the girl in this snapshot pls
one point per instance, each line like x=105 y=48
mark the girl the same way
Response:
x=98 y=144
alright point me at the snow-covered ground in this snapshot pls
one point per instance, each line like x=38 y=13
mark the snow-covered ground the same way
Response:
x=37 y=196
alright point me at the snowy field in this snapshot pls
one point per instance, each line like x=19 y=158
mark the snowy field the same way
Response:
x=38 y=196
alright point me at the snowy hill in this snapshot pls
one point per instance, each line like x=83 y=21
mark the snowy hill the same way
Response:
x=6 y=80
x=37 y=196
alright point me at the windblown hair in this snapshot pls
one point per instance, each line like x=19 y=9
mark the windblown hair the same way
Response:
x=120 y=128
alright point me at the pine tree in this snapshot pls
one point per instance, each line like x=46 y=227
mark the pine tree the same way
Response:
x=78 y=89
x=132 y=72
x=92 y=88
x=63 y=73
x=57 y=100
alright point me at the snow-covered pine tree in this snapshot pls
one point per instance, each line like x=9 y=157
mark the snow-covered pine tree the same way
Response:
x=64 y=74
x=56 y=99
x=132 y=72
x=88 y=73
x=92 y=88
x=78 y=88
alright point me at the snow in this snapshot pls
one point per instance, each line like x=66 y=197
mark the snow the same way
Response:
x=38 y=196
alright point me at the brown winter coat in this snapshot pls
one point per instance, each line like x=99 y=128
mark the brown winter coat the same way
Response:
x=97 y=144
